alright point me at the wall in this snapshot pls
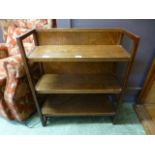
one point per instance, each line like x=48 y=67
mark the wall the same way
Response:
x=63 y=23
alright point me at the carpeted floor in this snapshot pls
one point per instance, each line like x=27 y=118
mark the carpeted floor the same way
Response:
x=128 y=124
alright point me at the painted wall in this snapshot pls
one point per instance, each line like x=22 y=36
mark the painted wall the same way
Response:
x=63 y=23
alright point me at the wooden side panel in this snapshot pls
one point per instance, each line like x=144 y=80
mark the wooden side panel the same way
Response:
x=150 y=97
x=150 y=108
x=146 y=106
x=79 y=37
x=147 y=95
x=145 y=118
x=79 y=67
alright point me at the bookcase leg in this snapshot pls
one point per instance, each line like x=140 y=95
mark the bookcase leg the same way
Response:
x=116 y=104
x=44 y=121
x=115 y=120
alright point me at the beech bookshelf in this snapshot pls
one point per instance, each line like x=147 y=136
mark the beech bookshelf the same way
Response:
x=78 y=70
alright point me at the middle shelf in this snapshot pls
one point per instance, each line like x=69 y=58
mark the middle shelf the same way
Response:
x=77 y=84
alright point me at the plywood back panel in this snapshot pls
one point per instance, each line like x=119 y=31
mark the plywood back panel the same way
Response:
x=79 y=36
x=79 y=67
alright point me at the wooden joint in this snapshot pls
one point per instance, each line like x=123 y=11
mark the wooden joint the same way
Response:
x=131 y=35
x=25 y=35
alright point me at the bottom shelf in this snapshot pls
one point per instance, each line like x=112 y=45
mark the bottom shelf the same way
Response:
x=78 y=105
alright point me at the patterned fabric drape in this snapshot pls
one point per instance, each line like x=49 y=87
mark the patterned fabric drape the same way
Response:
x=15 y=97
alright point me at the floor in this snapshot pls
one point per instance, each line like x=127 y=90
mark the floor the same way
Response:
x=128 y=124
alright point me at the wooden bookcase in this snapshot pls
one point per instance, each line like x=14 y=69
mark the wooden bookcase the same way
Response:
x=78 y=70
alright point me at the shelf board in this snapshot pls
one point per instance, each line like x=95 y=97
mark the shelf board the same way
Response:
x=68 y=83
x=78 y=105
x=79 y=53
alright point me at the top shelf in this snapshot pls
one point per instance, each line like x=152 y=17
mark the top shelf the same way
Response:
x=79 y=53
